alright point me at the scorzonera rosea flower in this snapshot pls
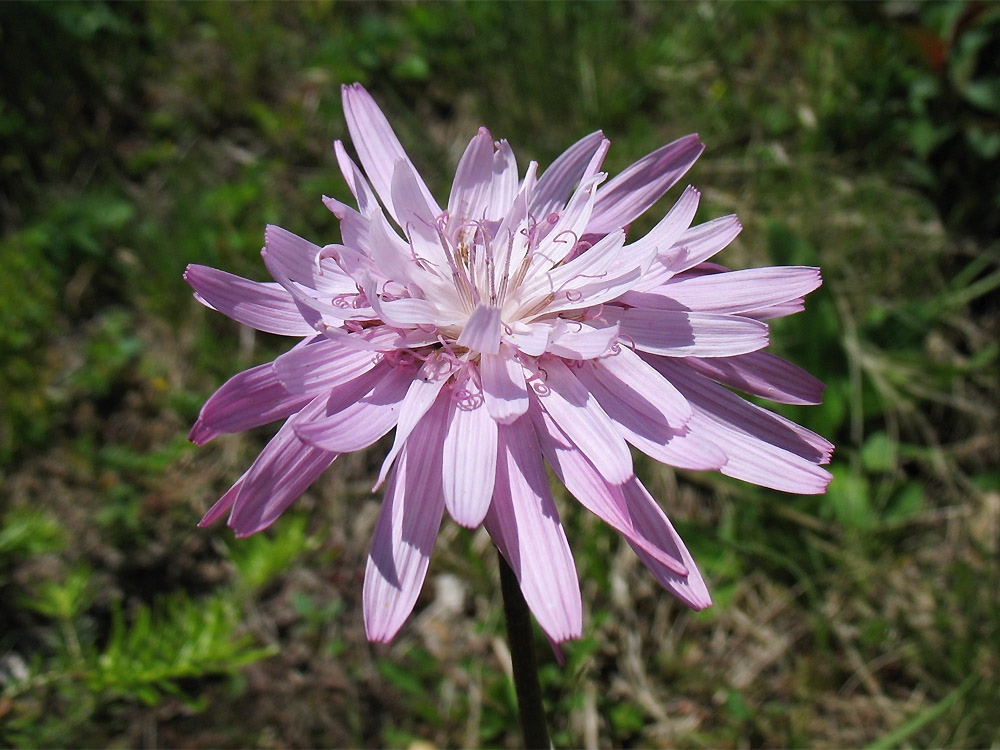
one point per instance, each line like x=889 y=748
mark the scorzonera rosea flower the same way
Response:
x=516 y=326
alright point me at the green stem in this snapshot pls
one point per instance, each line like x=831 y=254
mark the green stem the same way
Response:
x=522 y=656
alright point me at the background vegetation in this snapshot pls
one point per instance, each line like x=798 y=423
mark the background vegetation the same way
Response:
x=136 y=138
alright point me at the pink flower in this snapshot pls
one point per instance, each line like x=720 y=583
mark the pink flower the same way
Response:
x=514 y=327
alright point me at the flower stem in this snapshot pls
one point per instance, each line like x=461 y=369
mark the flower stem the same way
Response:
x=522 y=655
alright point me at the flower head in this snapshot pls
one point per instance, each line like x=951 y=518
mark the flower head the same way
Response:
x=514 y=327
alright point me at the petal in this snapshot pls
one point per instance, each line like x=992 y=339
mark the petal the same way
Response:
x=761 y=447
x=679 y=333
x=641 y=386
x=631 y=511
x=503 y=186
x=557 y=183
x=297 y=259
x=470 y=456
x=249 y=399
x=471 y=189
x=630 y=193
x=701 y=242
x=482 y=330
x=420 y=397
x=524 y=524
x=647 y=515
x=323 y=363
x=762 y=374
x=642 y=422
x=585 y=483
x=224 y=503
x=377 y=145
x=404 y=535
x=504 y=387
x=733 y=291
x=573 y=339
x=577 y=413
x=417 y=215
x=351 y=426
x=282 y=472
x=266 y=307
x=559 y=242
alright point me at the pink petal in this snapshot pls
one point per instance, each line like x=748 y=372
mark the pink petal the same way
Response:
x=297 y=259
x=249 y=399
x=762 y=374
x=589 y=488
x=322 y=363
x=630 y=193
x=701 y=242
x=531 y=339
x=377 y=145
x=472 y=185
x=672 y=226
x=733 y=291
x=642 y=387
x=524 y=524
x=572 y=339
x=356 y=424
x=556 y=184
x=420 y=397
x=761 y=447
x=678 y=333
x=569 y=227
x=504 y=387
x=503 y=186
x=406 y=529
x=416 y=215
x=577 y=413
x=282 y=472
x=356 y=182
x=642 y=423
x=470 y=455
x=266 y=307
x=482 y=330
x=224 y=503
x=647 y=515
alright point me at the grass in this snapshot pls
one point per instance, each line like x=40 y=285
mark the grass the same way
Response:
x=149 y=136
